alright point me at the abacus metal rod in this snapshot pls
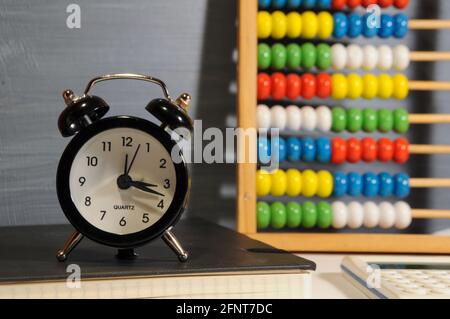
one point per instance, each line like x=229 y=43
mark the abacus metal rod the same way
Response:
x=430 y=214
x=428 y=24
x=429 y=118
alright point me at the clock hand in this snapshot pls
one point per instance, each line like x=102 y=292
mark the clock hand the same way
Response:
x=144 y=184
x=126 y=165
x=132 y=161
x=145 y=188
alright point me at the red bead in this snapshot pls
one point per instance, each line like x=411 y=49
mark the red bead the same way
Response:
x=294 y=86
x=352 y=4
x=278 y=86
x=385 y=150
x=367 y=3
x=401 y=154
x=323 y=85
x=264 y=86
x=354 y=150
x=401 y=4
x=369 y=150
x=339 y=4
x=385 y=3
x=338 y=151
x=308 y=86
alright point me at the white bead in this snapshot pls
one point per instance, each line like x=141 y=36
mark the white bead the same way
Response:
x=355 y=57
x=401 y=57
x=309 y=118
x=387 y=215
x=385 y=58
x=340 y=215
x=263 y=117
x=355 y=215
x=294 y=118
x=324 y=119
x=370 y=59
x=403 y=215
x=338 y=56
x=371 y=215
x=278 y=117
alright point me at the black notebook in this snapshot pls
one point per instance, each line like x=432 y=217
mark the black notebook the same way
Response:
x=222 y=264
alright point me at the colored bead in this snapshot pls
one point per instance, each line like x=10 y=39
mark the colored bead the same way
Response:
x=354 y=150
x=354 y=120
x=340 y=184
x=340 y=215
x=339 y=119
x=401 y=87
x=264 y=86
x=355 y=86
x=352 y=4
x=264 y=24
x=339 y=86
x=294 y=183
x=401 y=25
x=339 y=56
x=263 y=215
x=278 y=117
x=340 y=25
x=278 y=84
x=323 y=150
x=401 y=185
x=370 y=86
x=264 y=56
x=279 y=149
x=401 y=153
x=308 y=150
x=293 y=118
x=385 y=3
x=278 y=4
x=294 y=3
x=385 y=86
x=309 y=56
x=264 y=4
x=309 y=212
x=294 y=56
x=385 y=150
x=324 y=215
x=325 y=184
x=370 y=185
x=278 y=215
x=310 y=25
x=370 y=25
x=386 y=26
x=294 y=215
x=294 y=25
x=263 y=117
x=385 y=120
x=403 y=215
x=355 y=215
x=279 y=56
x=324 y=4
x=338 y=4
x=338 y=151
x=294 y=147
x=370 y=120
x=370 y=57
x=326 y=25
x=308 y=86
x=401 y=121
x=386 y=185
x=401 y=4
x=279 y=25
x=323 y=85
x=279 y=183
x=385 y=58
x=310 y=183
x=324 y=119
x=308 y=4
x=369 y=150
x=263 y=183
x=309 y=118
x=323 y=56
x=387 y=215
x=355 y=57
x=263 y=150
x=401 y=57
x=371 y=215
x=355 y=184
x=368 y=3
x=293 y=86
x=355 y=25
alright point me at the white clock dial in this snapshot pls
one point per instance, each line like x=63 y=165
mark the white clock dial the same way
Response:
x=94 y=180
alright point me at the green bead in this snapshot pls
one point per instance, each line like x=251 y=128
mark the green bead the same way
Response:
x=354 y=120
x=339 y=119
x=264 y=56
x=323 y=56
x=262 y=215
x=324 y=215
x=385 y=121
x=294 y=215
x=294 y=56
x=401 y=121
x=278 y=215
x=309 y=212
x=279 y=56
x=309 y=56
x=370 y=120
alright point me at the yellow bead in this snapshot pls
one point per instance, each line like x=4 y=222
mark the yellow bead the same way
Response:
x=279 y=183
x=310 y=183
x=279 y=25
x=294 y=25
x=370 y=86
x=264 y=22
x=385 y=86
x=355 y=86
x=310 y=25
x=294 y=183
x=339 y=86
x=401 y=87
x=326 y=25
x=263 y=183
x=325 y=184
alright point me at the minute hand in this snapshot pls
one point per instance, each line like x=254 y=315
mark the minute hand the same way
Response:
x=145 y=187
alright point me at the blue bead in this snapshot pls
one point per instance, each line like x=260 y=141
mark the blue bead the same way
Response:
x=309 y=150
x=400 y=25
x=294 y=147
x=324 y=4
x=371 y=186
x=309 y=4
x=386 y=182
x=294 y=4
x=340 y=25
x=323 y=150
x=387 y=26
x=355 y=184
x=370 y=25
x=401 y=188
x=278 y=4
x=279 y=144
x=355 y=25
x=263 y=150
x=264 y=4
x=340 y=187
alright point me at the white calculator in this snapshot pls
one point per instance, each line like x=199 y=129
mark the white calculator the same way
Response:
x=399 y=277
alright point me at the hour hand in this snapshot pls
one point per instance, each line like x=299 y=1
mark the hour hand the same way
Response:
x=145 y=187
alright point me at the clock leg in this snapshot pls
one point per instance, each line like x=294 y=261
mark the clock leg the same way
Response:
x=171 y=241
x=71 y=242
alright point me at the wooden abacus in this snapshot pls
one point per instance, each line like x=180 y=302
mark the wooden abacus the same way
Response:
x=334 y=242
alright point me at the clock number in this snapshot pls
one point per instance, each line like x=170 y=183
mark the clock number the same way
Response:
x=103 y=212
x=145 y=218
x=106 y=146
x=82 y=180
x=127 y=141
x=166 y=184
x=148 y=147
x=92 y=160
x=123 y=222
x=162 y=163
x=87 y=201
x=161 y=204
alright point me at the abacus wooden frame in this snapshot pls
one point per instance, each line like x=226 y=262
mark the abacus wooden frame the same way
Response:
x=246 y=174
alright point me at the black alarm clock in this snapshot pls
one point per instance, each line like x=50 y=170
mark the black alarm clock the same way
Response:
x=117 y=182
